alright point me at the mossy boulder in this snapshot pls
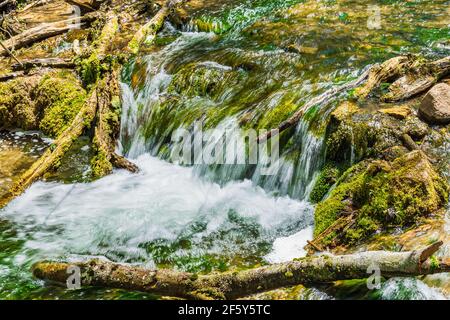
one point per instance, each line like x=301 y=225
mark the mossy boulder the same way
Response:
x=327 y=177
x=17 y=109
x=48 y=103
x=381 y=195
x=61 y=97
x=355 y=134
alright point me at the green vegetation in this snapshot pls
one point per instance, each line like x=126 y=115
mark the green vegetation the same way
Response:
x=60 y=97
x=383 y=194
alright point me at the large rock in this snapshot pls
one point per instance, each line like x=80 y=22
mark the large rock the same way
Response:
x=435 y=106
x=376 y=196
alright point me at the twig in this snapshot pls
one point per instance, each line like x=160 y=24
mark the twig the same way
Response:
x=10 y=53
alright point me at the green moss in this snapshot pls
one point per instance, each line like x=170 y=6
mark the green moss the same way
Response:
x=434 y=262
x=277 y=115
x=16 y=106
x=90 y=70
x=383 y=195
x=100 y=164
x=326 y=179
x=203 y=80
x=61 y=97
x=49 y=103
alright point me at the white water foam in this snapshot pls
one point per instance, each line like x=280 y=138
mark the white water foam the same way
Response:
x=291 y=247
x=115 y=215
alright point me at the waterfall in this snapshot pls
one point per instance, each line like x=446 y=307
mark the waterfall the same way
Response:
x=152 y=112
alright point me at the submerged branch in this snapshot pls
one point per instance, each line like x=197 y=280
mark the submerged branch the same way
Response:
x=232 y=285
x=327 y=96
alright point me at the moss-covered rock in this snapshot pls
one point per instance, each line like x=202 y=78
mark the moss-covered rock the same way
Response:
x=327 y=177
x=354 y=134
x=17 y=109
x=61 y=97
x=381 y=195
x=48 y=103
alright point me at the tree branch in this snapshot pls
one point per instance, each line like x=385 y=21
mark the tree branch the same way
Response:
x=232 y=285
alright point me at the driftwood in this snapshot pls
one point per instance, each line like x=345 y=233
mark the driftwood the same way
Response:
x=417 y=81
x=56 y=63
x=387 y=71
x=341 y=224
x=147 y=33
x=327 y=96
x=86 y=5
x=10 y=53
x=42 y=32
x=231 y=285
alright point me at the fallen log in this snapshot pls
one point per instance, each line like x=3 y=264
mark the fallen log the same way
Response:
x=56 y=63
x=42 y=32
x=231 y=285
x=106 y=132
x=325 y=97
x=147 y=33
x=86 y=5
x=389 y=70
x=417 y=81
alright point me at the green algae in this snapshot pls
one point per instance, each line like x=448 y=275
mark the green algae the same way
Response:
x=327 y=177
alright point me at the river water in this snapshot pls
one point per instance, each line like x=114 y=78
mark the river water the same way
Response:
x=242 y=64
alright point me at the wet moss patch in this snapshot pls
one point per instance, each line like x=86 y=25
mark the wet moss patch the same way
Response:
x=382 y=195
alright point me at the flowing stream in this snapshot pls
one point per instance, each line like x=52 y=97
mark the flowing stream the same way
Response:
x=241 y=64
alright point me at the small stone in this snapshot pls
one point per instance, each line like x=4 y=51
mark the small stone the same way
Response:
x=416 y=128
x=435 y=106
x=345 y=110
x=400 y=112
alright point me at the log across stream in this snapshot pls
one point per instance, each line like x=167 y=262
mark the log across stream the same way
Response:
x=210 y=231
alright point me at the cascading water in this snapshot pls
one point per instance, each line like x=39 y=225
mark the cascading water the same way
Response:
x=206 y=217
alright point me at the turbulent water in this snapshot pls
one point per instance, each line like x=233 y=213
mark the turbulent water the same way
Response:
x=241 y=64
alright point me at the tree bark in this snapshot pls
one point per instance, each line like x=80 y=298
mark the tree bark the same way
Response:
x=5 y=3
x=106 y=131
x=389 y=70
x=232 y=285
x=12 y=75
